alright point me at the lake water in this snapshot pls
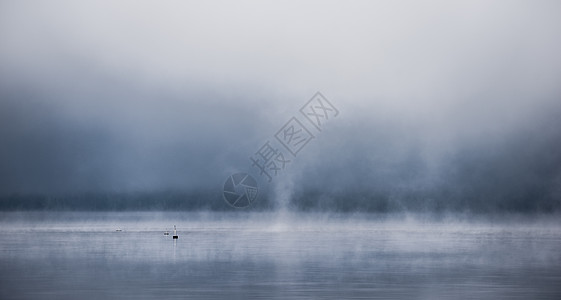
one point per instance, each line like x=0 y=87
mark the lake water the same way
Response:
x=277 y=255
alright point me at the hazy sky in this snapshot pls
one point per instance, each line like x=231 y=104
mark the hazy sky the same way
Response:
x=151 y=95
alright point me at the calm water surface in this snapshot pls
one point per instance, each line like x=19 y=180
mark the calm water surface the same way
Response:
x=280 y=256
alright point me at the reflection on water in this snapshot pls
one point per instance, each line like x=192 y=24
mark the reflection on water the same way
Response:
x=240 y=256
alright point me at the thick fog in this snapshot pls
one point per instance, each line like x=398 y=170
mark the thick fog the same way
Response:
x=443 y=105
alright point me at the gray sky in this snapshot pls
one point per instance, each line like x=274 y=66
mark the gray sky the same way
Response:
x=151 y=95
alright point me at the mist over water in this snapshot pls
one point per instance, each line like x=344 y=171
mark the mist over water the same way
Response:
x=439 y=178
x=277 y=256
